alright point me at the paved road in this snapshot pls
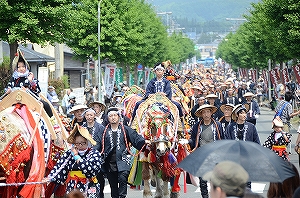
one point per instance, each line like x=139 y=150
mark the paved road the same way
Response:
x=264 y=129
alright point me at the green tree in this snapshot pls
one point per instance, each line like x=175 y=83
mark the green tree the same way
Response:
x=37 y=21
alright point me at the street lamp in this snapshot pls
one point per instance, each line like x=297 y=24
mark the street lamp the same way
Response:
x=99 y=62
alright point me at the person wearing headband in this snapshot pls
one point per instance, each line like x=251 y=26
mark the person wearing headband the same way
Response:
x=158 y=84
x=113 y=143
x=95 y=127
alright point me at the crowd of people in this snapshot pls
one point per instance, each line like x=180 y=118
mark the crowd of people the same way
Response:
x=220 y=108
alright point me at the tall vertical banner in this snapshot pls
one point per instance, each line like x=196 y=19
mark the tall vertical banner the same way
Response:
x=131 y=79
x=274 y=76
x=119 y=75
x=296 y=69
x=244 y=71
x=240 y=73
x=253 y=75
x=140 y=78
x=265 y=78
x=147 y=75
x=285 y=76
x=109 y=80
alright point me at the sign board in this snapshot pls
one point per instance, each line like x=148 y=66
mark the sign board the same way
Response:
x=109 y=79
x=43 y=80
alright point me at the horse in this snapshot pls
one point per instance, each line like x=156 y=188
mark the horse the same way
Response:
x=157 y=120
x=26 y=134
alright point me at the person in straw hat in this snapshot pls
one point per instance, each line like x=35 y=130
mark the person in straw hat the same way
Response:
x=113 y=142
x=78 y=110
x=80 y=164
x=99 y=108
x=226 y=119
x=205 y=131
x=212 y=100
x=278 y=140
x=241 y=91
x=240 y=129
x=200 y=102
x=230 y=98
x=254 y=110
x=227 y=179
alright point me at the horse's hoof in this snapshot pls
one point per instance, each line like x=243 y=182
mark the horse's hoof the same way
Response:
x=147 y=195
x=174 y=195
x=153 y=183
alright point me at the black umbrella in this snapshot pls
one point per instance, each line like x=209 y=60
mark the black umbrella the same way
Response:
x=261 y=163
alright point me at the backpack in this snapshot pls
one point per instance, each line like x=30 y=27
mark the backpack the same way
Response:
x=280 y=111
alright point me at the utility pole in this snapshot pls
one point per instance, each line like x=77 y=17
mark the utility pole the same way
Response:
x=99 y=62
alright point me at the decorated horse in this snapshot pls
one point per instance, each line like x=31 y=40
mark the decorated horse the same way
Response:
x=157 y=120
x=30 y=141
x=130 y=98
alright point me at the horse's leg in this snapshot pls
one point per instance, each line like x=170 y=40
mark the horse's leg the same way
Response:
x=175 y=188
x=146 y=177
x=165 y=189
x=159 y=185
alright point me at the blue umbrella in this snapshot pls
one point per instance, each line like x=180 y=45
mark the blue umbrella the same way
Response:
x=261 y=163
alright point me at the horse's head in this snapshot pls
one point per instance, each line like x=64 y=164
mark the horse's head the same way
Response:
x=162 y=144
x=158 y=115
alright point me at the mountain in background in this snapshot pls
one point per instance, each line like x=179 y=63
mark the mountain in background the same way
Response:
x=203 y=16
x=204 y=10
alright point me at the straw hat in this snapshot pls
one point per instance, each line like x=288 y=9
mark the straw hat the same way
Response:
x=211 y=96
x=102 y=106
x=223 y=107
x=277 y=122
x=77 y=107
x=83 y=131
x=237 y=108
x=198 y=113
x=196 y=87
x=248 y=94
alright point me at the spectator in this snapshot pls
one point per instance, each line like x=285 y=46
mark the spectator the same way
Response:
x=89 y=97
x=285 y=189
x=51 y=94
x=66 y=100
x=278 y=139
x=72 y=103
x=285 y=111
x=228 y=179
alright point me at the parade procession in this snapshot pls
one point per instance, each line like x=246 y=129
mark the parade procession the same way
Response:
x=177 y=129
x=149 y=99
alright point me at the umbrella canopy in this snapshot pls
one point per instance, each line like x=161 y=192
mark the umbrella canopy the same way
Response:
x=261 y=163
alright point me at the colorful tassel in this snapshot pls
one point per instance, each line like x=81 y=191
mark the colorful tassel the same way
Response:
x=172 y=158
x=152 y=157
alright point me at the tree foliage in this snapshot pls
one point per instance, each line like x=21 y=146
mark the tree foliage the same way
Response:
x=37 y=21
x=131 y=33
x=271 y=32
